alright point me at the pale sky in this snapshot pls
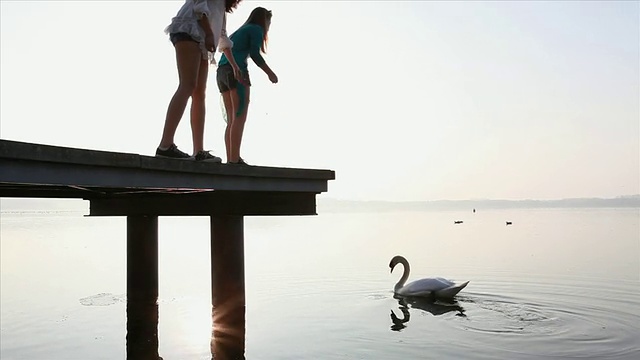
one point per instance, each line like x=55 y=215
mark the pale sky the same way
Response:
x=414 y=100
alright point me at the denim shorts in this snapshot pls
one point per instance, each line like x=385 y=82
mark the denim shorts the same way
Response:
x=181 y=36
x=226 y=81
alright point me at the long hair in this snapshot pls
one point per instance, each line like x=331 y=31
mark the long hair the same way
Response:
x=230 y=5
x=261 y=17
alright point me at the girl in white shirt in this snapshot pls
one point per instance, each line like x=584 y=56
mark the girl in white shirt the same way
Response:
x=196 y=31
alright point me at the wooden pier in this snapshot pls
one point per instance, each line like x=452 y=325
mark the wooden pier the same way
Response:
x=143 y=188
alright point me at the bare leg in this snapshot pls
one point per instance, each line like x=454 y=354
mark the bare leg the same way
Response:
x=237 y=128
x=188 y=58
x=231 y=101
x=198 y=107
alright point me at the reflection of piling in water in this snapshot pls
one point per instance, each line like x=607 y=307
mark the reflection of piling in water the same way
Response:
x=227 y=287
x=142 y=288
x=142 y=330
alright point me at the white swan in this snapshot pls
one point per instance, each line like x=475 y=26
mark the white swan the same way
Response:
x=427 y=287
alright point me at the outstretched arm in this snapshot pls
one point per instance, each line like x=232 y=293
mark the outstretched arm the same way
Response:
x=267 y=70
x=255 y=43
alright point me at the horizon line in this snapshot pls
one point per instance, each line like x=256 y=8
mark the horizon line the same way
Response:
x=619 y=197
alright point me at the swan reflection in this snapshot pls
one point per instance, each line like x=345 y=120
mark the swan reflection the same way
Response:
x=434 y=307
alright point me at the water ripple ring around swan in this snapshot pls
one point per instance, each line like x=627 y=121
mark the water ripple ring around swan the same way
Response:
x=567 y=320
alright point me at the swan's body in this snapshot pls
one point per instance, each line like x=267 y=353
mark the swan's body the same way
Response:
x=428 y=287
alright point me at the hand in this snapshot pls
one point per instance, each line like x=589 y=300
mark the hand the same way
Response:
x=209 y=43
x=237 y=73
x=273 y=78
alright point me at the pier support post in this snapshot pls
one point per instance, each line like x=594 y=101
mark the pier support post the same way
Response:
x=227 y=287
x=142 y=287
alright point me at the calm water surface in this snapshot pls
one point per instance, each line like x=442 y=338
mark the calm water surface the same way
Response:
x=558 y=283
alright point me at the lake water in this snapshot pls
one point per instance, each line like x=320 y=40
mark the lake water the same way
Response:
x=556 y=284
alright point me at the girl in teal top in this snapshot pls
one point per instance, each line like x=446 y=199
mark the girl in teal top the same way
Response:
x=248 y=42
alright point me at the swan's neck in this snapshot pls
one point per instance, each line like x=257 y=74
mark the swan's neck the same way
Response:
x=405 y=274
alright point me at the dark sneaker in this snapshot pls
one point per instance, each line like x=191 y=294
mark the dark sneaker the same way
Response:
x=239 y=162
x=172 y=152
x=206 y=156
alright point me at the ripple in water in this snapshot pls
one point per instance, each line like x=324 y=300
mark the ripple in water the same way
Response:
x=102 y=299
x=550 y=320
x=508 y=316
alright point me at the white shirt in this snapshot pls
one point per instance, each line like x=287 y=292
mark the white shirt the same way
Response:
x=186 y=21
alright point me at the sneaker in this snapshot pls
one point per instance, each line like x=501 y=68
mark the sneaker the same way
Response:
x=172 y=152
x=239 y=162
x=206 y=156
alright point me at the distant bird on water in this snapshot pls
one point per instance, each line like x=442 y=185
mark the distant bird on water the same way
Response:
x=457 y=222
x=509 y=223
